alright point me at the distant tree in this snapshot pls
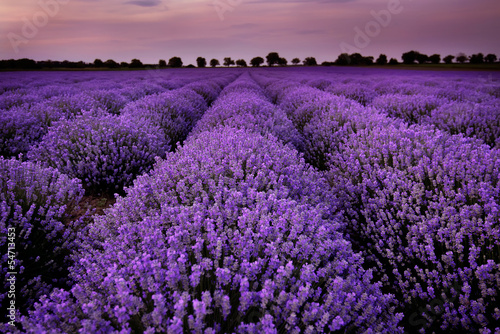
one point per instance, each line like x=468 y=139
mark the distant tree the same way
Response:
x=201 y=62
x=81 y=64
x=228 y=61
x=356 y=59
x=136 y=63
x=343 y=59
x=24 y=63
x=422 y=58
x=367 y=60
x=162 y=63
x=409 y=57
x=241 y=63
x=124 y=64
x=98 y=63
x=214 y=62
x=310 y=61
x=257 y=61
x=476 y=59
x=381 y=60
x=110 y=63
x=175 y=62
x=490 y=58
x=393 y=61
x=47 y=63
x=282 y=62
x=462 y=58
x=327 y=63
x=448 y=59
x=273 y=58
x=435 y=58
x=295 y=61
x=190 y=66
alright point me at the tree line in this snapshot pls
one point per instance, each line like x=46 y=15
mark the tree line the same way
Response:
x=272 y=59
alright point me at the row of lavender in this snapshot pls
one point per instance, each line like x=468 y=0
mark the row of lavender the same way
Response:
x=213 y=235
x=31 y=102
x=422 y=205
x=233 y=232
x=465 y=103
x=95 y=151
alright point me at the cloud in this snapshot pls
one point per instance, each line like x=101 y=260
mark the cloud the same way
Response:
x=144 y=3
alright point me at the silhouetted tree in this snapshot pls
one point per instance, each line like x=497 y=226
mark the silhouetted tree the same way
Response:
x=422 y=58
x=353 y=59
x=162 y=63
x=282 y=62
x=257 y=61
x=175 y=62
x=22 y=64
x=310 y=61
x=201 y=62
x=462 y=58
x=343 y=59
x=214 y=62
x=110 y=63
x=393 y=61
x=272 y=58
x=490 y=58
x=382 y=60
x=136 y=63
x=295 y=61
x=448 y=59
x=367 y=60
x=476 y=59
x=46 y=63
x=241 y=63
x=409 y=57
x=124 y=64
x=190 y=66
x=98 y=63
x=228 y=61
x=435 y=58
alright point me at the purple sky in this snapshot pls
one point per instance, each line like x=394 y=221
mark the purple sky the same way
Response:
x=160 y=29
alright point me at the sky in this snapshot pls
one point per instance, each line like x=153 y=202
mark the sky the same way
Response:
x=150 y=30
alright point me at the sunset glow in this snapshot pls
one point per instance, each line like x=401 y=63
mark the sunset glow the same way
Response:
x=159 y=29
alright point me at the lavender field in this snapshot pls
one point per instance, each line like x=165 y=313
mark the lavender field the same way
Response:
x=284 y=200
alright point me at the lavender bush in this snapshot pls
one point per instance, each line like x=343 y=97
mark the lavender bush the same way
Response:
x=106 y=152
x=243 y=104
x=209 y=90
x=414 y=108
x=360 y=93
x=109 y=100
x=216 y=240
x=19 y=131
x=38 y=204
x=396 y=185
x=65 y=106
x=479 y=120
x=424 y=207
x=174 y=112
x=17 y=98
